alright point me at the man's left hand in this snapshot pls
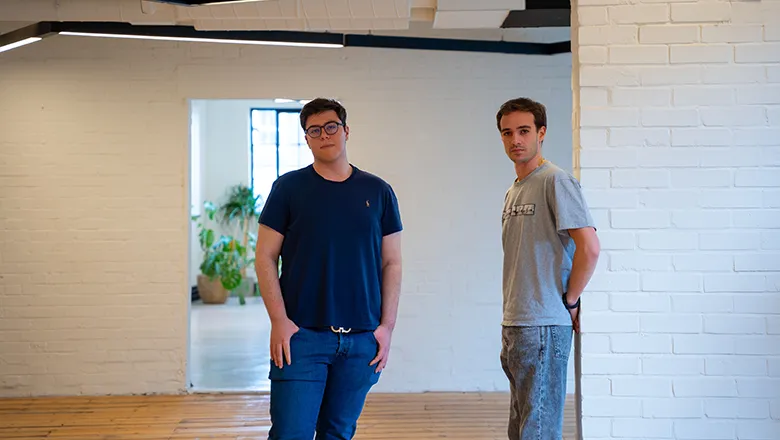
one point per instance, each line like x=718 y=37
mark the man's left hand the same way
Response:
x=575 y=319
x=383 y=336
x=575 y=316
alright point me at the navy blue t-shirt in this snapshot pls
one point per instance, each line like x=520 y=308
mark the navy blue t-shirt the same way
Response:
x=332 y=248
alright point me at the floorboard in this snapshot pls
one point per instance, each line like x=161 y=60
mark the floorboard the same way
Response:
x=427 y=416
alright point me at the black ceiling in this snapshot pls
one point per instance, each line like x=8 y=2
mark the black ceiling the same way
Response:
x=540 y=13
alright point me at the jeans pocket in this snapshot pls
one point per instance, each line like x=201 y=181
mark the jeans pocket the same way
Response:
x=561 y=336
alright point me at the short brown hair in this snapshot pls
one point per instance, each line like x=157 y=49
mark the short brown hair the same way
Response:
x=321 y=105
x=525 y=105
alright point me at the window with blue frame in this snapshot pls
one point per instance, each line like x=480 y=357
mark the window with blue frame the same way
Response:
x=277 y=147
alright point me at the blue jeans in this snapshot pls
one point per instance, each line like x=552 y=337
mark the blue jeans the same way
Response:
x=324 y=389
x=534 y=360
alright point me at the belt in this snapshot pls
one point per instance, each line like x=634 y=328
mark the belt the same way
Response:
x=340 y=329
x=348 y=330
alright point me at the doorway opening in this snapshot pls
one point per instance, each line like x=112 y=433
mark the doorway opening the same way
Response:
x=238 y=148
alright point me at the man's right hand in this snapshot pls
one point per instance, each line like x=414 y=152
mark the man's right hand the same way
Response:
x=281 y=332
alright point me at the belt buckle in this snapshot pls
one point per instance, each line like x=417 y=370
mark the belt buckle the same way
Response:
x=340 y=330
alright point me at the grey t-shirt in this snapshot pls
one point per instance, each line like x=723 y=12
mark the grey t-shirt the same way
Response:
x=538 y=250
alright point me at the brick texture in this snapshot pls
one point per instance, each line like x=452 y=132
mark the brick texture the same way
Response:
x=689 y=184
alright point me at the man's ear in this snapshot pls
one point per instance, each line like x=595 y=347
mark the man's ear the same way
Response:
x=346 y=132
x=542 y=132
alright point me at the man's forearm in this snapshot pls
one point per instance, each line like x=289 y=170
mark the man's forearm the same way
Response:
x=582 y=268
x=268 y=280
x=391 y=292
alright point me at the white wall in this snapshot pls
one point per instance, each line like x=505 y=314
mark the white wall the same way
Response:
x=680 y=134
x=116 y=229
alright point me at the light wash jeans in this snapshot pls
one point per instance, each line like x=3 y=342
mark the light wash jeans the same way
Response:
x=324 y=389
x=535 y=361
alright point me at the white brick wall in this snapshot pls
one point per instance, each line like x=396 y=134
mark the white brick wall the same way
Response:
x=685 y=183
x=106 y=310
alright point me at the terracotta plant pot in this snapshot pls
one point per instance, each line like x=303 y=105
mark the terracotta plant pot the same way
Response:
x=211 y=292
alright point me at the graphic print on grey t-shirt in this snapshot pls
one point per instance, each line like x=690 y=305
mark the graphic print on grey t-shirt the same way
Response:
x=538 y=250
x=527 y=209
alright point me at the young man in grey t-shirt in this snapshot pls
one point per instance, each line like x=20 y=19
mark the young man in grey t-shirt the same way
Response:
x=550 y=253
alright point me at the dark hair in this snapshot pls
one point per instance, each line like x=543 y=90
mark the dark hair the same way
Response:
x=523 y=105
x=321 y=105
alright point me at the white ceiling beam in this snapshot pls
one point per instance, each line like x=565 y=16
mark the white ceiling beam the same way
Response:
x=468 y=14
x=129 y=11
x=336 y=15
x=469 y=19
x=481 y=5
x=427 y=4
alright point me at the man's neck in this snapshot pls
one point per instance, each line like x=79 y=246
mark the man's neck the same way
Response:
x=524 y=169
x=337 y=171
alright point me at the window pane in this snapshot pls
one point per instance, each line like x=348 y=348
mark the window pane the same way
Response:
x=290 y=131
x=293 y=157
x=293 y=151
x=264 y=155
x=263 y=150
x=263 y=118
x=264 y=179
x=264 y=122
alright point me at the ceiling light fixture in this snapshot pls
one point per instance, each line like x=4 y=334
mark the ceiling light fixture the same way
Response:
x=36 y=32
x=19 y=43
x=201 y=39
x=23 y=36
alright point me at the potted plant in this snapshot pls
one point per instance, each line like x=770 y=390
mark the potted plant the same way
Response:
x=224 y=260
x=240 y=212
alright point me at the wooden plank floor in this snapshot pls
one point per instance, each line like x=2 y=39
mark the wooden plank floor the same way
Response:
x=474 y=416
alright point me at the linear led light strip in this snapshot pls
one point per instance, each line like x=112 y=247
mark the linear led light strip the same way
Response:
x=19 y=43
x=201 y=40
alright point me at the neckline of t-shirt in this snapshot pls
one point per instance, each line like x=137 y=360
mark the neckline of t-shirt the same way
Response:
x=535 y=170
x=317 y=175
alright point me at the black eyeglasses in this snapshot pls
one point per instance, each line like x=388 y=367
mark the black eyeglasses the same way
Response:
x=331 y=128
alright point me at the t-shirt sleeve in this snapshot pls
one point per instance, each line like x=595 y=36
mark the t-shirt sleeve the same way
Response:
x=569 y=206
x=276 y=210
x=391 y=216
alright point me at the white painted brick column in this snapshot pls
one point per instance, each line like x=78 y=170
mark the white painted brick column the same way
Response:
x=677 y=136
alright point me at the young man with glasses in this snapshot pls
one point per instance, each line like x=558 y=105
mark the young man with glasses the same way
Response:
x=333 y=310
x=550 y=253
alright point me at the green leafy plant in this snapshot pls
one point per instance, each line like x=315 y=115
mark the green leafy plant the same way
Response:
x=224 y=258
x=241 y=207
x=206 y=235
x=241 y=210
